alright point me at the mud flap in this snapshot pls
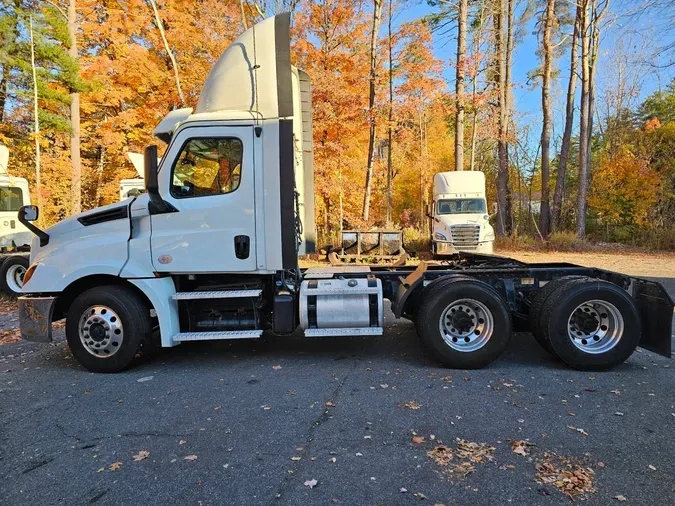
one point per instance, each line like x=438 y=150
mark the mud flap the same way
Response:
x=656 y=312
x=407 y=286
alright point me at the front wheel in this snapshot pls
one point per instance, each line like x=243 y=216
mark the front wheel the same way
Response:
x=11 y=275
x=465 y=322
x=106 y=326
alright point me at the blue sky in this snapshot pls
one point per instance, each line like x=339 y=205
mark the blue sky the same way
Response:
x=634 y=32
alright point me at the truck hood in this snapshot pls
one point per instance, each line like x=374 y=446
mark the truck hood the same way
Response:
x=93 y=242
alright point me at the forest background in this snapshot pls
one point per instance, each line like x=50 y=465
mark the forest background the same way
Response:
x=567 y=106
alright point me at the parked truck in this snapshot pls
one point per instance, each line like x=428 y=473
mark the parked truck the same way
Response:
x=15 y=238
x=210 y=251
x=459 y=214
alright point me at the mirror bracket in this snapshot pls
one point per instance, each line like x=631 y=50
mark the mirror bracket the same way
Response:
x=26 y=215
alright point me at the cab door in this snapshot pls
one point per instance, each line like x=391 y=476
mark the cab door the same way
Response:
x=207 y=175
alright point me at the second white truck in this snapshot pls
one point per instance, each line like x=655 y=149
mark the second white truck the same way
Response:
x=459 y=214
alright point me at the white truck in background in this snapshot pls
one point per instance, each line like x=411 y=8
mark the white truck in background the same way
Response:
x=15 y=238
x=460 y=221
x=133 y=187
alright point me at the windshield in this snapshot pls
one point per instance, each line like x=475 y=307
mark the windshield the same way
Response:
x=461 y=206
x=11 y=199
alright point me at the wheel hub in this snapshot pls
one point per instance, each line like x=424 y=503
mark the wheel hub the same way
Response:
x=466 y=325
x=101 y=331
x=595 y=326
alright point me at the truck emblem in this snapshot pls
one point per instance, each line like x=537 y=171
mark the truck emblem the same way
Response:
x=165 y=259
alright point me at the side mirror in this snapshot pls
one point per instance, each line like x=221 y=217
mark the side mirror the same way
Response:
x=29 y=213
x=150 y=169
x=26 y=215
x=157 y=205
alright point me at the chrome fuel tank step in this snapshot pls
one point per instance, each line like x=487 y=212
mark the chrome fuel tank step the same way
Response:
x=216 y=335
x=217 y=294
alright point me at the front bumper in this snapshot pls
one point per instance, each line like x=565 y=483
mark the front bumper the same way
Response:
x=447 y=248
x=35 y=318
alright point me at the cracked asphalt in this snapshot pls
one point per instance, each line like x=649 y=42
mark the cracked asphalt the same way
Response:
x=328 y=413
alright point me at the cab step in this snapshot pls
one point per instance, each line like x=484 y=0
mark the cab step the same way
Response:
x=217 y=294
x=355 y=331
x=212 y=336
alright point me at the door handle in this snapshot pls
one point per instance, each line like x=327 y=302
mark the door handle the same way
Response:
x=242 y=246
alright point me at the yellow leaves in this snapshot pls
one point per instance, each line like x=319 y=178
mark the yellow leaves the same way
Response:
x=624 y=189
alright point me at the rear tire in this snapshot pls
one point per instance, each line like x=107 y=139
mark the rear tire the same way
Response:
x=106 y=326
x=12 y=272
x=464 y=322
x=592 y=324
x=536 y=324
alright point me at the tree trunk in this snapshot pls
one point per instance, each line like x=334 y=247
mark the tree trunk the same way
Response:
x=36 y=118
x=4 y=81
x=174 y=65
x=377 y=11
x=546 y=126
x=76 y=163
x=584 y=120
x=503 y=200
x=243 y=15
x=569 y=124
x=390 y=127
x=459 y=85
x=478 y=37
x=99 y=175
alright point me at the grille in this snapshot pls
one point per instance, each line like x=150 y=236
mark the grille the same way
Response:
x=465 y=235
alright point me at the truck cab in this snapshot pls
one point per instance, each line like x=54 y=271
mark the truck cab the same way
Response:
x=460 y=220
x=13 y=195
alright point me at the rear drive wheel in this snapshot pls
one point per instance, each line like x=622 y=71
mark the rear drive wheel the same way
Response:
x=536 y=325
x=592 y=325
x=11 y=275
x=105 y=327
x=464 y=321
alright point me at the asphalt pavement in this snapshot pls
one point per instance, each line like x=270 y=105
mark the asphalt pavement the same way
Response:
x=253 y=423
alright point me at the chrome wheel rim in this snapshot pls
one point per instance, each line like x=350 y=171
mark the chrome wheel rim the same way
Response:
x=15 y=276
x=466 y=325
x=595 y=326
x=101 y=331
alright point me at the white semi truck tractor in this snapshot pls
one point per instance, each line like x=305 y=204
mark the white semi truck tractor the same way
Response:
x=210 y=251
x=459 y=214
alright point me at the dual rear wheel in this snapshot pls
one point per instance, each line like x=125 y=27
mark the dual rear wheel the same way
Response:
x=589 y=324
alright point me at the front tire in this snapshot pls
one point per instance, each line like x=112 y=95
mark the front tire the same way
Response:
x=106 y=326
x=464 y=322
x=11 y=275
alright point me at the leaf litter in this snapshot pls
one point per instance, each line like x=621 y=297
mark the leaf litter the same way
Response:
x=461 y=460
x=410 y=405
x=571 y=479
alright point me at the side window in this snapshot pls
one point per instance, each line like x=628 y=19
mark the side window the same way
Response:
x=207 y=167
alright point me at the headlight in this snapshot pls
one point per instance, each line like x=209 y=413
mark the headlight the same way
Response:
x=29 y=273
x=440 y=237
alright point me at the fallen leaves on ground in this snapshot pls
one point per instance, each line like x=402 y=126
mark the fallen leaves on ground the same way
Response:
x=330 y=404
x=190 y=458
x=578 y=429
x=418 y=440
x=311 y=483
x=652 y=467
x=571 y=479
x=467 y=454
x=10 y=336
x=410 y=405
x=143 y=454
x=521 y=447
x=115 y=466
x=276 y=367
x=620 y=498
